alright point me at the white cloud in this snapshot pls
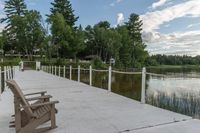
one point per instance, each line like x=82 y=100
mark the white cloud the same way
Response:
x=120 y=18
x=177 y=43
x=158 y=4
x=115 y=2
x=153 y=20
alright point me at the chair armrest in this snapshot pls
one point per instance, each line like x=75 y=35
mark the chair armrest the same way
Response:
x=40 y=104
x=39 y=98
x=42 y=93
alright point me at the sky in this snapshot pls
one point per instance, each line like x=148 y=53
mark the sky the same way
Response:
x=170 y=27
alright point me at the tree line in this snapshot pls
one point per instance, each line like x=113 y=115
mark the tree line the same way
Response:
x=27 y=34
x=159 y=59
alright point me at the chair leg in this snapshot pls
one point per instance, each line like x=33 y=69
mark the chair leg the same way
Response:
x=17 y=116
x=53 y=118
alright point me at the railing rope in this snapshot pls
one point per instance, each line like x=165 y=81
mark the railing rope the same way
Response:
x=84 y=69
x=127 y=72
x=100 y=70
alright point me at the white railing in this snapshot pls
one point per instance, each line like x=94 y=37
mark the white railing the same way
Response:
x=6 y=73
x=53 y=70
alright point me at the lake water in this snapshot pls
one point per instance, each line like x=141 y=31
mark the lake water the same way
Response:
x=178 y=91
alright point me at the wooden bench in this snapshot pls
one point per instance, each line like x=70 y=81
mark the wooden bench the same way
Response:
x=28 y=117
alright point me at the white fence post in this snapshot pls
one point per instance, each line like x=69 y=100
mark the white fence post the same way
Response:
x=70 y=72
x=38 y=65
x=109 y=78
x=143 y=85
x=51 y=69
x=64 y=71
x=9 y=72
x=1 y=85
x=5 y=76
x=55 y=70
x=59 y=71
x=12 y=72
x=47 y=69
x=79 y=71
x=90 y=75
x=21 y=66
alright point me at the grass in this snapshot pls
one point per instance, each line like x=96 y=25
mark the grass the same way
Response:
x=184 y=103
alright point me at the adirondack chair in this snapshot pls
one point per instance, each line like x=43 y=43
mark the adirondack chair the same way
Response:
x=28 y=117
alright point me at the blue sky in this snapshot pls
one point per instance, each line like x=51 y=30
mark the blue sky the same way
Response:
x=169 y=26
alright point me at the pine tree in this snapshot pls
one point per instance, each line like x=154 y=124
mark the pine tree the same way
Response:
x=64 y=7
x=13 y=8
x=14 y=11
x=134 y=26
x=139 y=54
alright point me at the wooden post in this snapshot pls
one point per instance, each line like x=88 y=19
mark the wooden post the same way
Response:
x=55 y=70
x=59 y=71
x=109 y=78
x=64 y=71
x=51 y=69
x=79 y=71
x=90 y=75
x=70 y=72
x=143 y=85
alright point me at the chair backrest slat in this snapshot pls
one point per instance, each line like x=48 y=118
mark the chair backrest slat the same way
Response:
x=19 y=94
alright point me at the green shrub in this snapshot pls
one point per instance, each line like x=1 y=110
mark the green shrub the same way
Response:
x=98 y=63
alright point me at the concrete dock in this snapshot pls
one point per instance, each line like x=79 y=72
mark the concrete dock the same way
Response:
x=86 y=109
